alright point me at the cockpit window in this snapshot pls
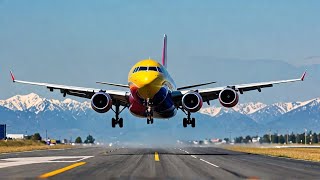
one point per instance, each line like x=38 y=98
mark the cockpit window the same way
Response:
x=145 y=68
x=135 y=70
x=153 y=68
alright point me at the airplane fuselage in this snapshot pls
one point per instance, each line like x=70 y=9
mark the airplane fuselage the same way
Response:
x=151 y=86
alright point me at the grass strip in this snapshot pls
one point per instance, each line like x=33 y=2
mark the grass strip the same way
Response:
x=310 y=154
x=27 y=145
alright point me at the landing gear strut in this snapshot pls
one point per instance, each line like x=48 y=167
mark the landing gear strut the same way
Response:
x=149 y=112
x=117 y=120
x=189 y=120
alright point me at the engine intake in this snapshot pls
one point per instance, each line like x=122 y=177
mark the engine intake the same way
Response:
x=228 y=97
x=192 y=101
x=101 y=102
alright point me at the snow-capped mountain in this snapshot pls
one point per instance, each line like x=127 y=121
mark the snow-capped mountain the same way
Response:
x=255 y=110
x=69 y=117
x=34 y=103
x=246 y=109
x=304 y=116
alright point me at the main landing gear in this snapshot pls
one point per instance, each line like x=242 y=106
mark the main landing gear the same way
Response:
x=189 y=120
x=117 y=120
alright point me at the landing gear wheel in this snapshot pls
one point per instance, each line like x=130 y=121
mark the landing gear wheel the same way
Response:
x=185 y=123
x=113 y=123
x=193 y=122
x=149 y=120
x=120 y=122
x=189 y=120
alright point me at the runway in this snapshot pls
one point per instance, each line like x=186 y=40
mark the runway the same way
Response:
x=146 y=163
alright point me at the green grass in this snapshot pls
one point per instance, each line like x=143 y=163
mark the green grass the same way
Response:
x=311 y=154
x=26 y=145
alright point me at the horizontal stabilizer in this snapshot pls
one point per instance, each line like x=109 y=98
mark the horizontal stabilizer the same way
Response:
x=195 y=85
x=113 y=84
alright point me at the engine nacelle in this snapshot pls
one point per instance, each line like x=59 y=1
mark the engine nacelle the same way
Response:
x=228 y=97
x=192 y=101
x=101 y=102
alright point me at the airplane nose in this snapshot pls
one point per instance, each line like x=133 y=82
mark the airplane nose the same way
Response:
x=148 y=80
x=148 y=87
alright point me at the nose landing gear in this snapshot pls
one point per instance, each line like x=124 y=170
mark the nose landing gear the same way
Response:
x=149 y=120
x=149 y=112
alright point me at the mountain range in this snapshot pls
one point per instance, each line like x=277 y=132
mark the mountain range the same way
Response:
x=69 y=118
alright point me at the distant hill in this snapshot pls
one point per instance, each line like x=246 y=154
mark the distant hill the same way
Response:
x=70 y=118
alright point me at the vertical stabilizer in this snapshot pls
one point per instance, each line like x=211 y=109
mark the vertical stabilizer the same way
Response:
x=164 y=51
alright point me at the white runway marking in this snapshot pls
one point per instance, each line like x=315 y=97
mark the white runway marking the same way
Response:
x=208 y=163
x=200 y=159
x=10 y=162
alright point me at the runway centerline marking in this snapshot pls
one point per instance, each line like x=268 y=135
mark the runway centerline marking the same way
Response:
x=59 y=171
x=209 y=163
x=194 y=156
x=156 y=156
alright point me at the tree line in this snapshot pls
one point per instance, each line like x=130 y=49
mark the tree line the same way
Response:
x=37 y=137
x=89 y=140
x=298 y=138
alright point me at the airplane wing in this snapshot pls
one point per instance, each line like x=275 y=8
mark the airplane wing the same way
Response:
x=213 y=93
x=117 y=96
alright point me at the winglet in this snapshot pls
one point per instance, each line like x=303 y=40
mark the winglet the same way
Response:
x=12 y=76
x=303 y=76
x=164 y=51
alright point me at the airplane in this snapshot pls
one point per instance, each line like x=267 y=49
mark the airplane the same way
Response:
x=151 y=93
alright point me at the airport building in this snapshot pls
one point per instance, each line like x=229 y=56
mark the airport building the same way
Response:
x=3 y=131
x=15 y=136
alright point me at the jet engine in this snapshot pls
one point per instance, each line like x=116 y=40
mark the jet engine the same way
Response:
x=228 y=97
x=192 y=101
x=101 y=102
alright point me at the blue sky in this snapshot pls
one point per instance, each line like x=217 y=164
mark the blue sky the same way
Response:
x=79 y=42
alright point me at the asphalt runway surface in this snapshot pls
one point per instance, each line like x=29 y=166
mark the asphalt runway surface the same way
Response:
x=149 y=163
